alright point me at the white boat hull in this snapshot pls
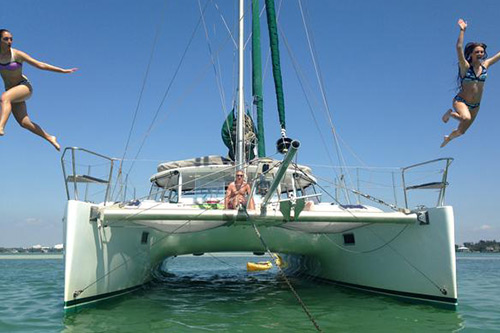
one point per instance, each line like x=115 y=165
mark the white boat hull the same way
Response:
x=117 y=252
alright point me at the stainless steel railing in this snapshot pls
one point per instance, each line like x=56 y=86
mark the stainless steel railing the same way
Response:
x=441 y=185
x=72 y=180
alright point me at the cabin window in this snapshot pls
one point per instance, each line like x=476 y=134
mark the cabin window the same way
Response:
x=165 y=188
x=204 y=188
x=144 y=237
x=349 y=239
x=172 y=197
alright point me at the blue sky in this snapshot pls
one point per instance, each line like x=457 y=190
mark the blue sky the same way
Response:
x=389 y=71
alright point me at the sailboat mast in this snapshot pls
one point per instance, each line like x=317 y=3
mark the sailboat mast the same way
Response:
x=240 y=156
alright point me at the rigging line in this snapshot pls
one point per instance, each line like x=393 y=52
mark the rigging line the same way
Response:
x=325 y=191
x=169 y=86
x=386 y=243
x=218 y=77
x=155 y=40
x=322 y=89
x=441 y=289
x=249 y=10
x=302 y=304
x=314 y=49
x=369 y=197
x=146 y=74
x=353 y=167
x=194 y=85
x=302 y=79
x=126 y=260
x=222 y=261
x=225 y=23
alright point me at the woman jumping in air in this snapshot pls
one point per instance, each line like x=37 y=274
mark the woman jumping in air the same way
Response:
x=18 y=88
x=472 y=72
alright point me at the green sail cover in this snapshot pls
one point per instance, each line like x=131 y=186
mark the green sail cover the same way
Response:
x=275 y=55
x=228 y=134
x=257 y=78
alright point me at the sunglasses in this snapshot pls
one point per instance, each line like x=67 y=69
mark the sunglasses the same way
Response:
x=7 y=38
x=239 y=175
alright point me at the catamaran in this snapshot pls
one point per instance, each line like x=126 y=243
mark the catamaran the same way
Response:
x=114 y=246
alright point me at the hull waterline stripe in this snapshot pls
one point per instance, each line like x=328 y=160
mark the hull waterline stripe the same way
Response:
x=447 y=300
x=100 y=297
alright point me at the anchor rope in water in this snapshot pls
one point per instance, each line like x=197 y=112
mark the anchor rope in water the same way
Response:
x=294 y=292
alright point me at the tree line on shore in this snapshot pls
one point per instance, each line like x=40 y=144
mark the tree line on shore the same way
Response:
x=482 y=246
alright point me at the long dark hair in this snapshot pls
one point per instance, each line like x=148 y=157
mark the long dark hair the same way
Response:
x=2 y=31
x=469 y=47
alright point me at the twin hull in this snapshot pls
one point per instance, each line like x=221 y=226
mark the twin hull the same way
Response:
x=413 y=260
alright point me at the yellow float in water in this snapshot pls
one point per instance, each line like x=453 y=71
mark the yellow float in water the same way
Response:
x=259 y=266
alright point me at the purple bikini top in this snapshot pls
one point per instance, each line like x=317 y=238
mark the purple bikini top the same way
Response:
x=12 y=65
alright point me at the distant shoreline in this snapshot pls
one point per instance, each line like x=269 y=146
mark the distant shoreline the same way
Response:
x=31 y=256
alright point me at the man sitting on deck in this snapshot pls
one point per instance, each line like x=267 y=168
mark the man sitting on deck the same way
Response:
x=237 y=193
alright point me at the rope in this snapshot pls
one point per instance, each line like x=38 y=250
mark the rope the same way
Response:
x=222 y=261
x=168 y=87
x=218 y=76
x=321 y=85
x=225 y=24
x=303 y=82
x=302 y=304
x=146 y=74
x=367 y=251
x=79 y=292
x=388 y=243
x=158 y=29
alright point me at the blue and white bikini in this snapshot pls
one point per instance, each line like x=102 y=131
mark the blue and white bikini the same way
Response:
x=470 y=76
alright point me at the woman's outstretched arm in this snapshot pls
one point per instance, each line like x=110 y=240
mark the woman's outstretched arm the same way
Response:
x=41 y=65
x=462 y=62
x=490 y=61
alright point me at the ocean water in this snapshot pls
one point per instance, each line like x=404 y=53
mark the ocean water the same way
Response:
x=216 y=294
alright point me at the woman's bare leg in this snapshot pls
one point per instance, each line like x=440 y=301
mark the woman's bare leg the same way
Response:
x=450 y=113
x=21 y=115
x=465 y=117
x=13 y=95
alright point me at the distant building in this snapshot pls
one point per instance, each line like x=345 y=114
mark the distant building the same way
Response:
x=463 y=249
x=35 y=248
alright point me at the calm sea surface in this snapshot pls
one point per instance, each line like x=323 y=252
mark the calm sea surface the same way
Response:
x=216 y=294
